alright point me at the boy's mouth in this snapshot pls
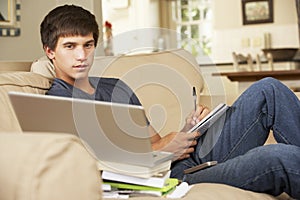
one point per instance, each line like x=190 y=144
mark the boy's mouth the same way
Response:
x=80 y=66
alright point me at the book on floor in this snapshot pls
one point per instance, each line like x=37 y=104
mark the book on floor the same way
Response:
x=157 y=180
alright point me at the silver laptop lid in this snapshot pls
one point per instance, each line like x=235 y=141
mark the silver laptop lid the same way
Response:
x=115 y=132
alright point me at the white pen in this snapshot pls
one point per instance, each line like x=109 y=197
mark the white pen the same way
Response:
x=195 y=98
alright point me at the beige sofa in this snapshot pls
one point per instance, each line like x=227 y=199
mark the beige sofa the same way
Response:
x=56 y=166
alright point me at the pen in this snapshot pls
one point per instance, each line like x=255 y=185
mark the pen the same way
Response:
x=195 y=98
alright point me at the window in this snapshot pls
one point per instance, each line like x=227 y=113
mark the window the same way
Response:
x=193 y=20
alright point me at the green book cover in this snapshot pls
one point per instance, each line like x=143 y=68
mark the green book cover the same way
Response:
x=170 y=184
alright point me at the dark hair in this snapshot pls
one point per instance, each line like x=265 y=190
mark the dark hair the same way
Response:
x=67 y=20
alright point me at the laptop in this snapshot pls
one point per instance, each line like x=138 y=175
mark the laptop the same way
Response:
x=114 y=132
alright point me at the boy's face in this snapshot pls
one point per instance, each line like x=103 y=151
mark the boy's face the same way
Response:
x=73 y=57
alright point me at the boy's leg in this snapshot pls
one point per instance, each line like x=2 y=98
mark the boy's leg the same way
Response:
x=267 y=104
x=271 y=169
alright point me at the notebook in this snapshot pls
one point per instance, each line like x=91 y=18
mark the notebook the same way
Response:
x=114 y=132
x=210 y=119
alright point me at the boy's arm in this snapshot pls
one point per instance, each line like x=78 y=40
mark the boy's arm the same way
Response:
x=179 y=143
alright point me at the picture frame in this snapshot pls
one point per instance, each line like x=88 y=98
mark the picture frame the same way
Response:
x=10 y=24
x=257 y=11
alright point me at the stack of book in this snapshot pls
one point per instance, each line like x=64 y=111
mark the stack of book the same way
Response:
x=123 y=179
x=134 y=170
x=121 y=185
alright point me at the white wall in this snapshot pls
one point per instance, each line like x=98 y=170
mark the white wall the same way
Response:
x=231 y=35
x=135 y=27
x=137 y=14
x=229 y=31
x=27 y=46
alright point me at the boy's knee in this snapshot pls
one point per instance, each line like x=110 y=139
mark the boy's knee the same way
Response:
x=269 y=84
x=269 y=80
x=279 y=152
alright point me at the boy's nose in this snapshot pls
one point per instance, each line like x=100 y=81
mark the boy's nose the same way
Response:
x=80 y=54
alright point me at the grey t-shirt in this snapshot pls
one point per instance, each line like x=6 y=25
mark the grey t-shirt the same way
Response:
x=106 y=89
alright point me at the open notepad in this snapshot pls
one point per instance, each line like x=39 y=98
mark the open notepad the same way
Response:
x=210 y=119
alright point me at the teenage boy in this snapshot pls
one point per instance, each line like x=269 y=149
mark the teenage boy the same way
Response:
x=69 y=35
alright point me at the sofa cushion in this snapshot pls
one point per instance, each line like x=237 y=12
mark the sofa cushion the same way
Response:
x=20 y=82
x=47 y=166
x=211 y=191
x=25 y=79
x=44 y=67
x=163 y=82
x=57 y=166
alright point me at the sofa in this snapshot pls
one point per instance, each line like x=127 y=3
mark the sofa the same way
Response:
x=41 y=166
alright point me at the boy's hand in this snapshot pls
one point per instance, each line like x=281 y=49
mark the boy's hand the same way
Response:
x=181 y=144
x=195 y=116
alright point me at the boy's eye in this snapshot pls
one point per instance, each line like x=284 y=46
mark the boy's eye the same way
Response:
x=89 y=45
x=69 y=46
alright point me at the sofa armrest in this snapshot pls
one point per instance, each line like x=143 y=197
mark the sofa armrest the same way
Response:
x=46 y=166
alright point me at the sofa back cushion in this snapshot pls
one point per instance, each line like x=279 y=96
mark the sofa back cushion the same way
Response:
x=163 y=81
x=12 y=66
x=20 y=82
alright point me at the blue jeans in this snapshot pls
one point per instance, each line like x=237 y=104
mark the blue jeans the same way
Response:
x=237 y=140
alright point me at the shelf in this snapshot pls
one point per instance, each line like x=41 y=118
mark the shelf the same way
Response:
x=247 y=76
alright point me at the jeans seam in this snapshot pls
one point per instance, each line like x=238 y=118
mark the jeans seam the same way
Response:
x=255 y=178
x=278 y=132
x=241 y=138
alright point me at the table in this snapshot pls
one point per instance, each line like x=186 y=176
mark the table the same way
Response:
x=290 y=77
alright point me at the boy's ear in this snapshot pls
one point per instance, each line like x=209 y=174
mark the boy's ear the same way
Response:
x=49 y=52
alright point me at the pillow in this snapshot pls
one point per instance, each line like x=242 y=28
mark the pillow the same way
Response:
x=25 y=79
x=44 y=67
x=20 y=82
